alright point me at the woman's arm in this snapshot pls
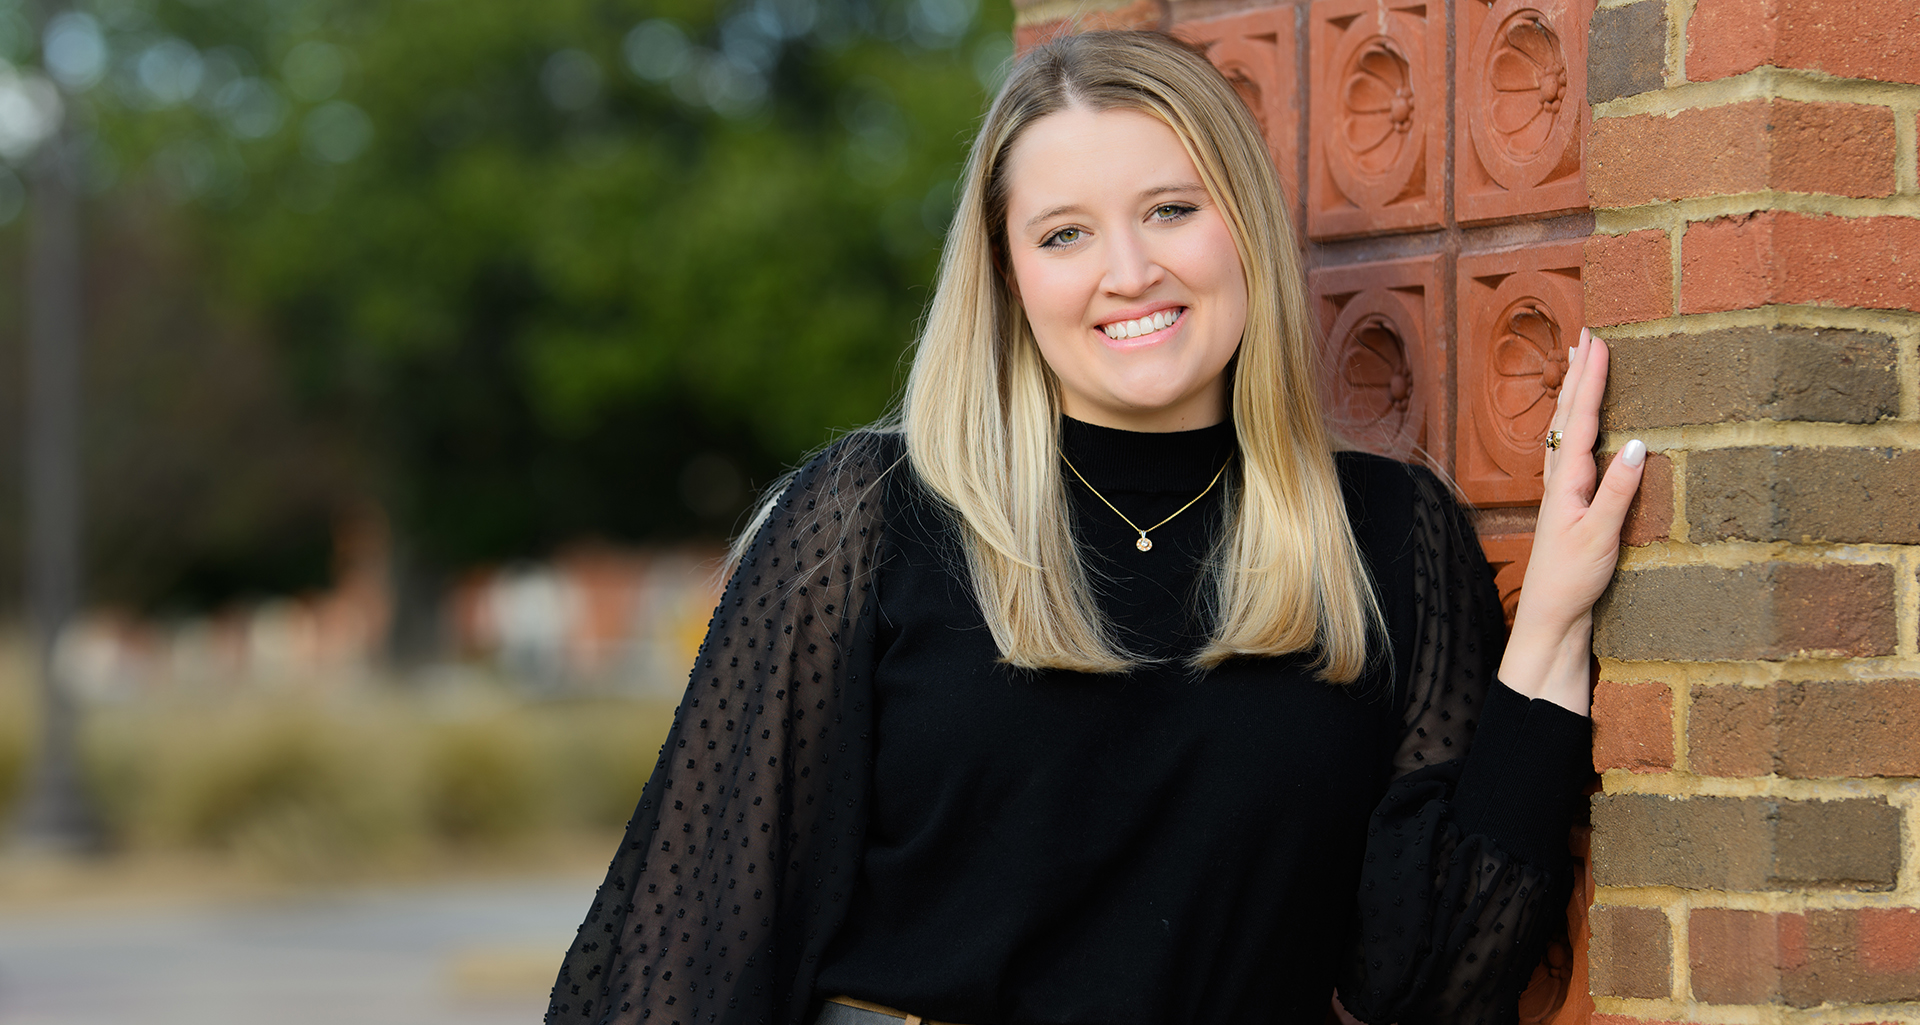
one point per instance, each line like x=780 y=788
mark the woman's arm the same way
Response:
x=1575 y=545
x=1466 y=865
x=742 y=852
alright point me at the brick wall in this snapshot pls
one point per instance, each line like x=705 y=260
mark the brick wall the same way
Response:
x=1726 y=190
x=1756 y=261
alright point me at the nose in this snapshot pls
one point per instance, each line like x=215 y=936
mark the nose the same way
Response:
x=1132 y=268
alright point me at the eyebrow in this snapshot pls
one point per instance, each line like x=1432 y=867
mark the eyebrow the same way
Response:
x=1158 y=190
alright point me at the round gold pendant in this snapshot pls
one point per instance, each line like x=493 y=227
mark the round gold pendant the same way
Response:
x=1143 y=544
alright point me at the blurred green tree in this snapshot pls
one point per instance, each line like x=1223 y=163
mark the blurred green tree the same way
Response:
x=581 y=267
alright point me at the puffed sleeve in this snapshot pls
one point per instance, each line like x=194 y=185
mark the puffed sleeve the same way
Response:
x=742 y=853
x=1467 y=873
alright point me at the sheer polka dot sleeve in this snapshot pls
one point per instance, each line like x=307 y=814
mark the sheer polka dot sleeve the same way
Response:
x=1466 y=870
x=741 y=855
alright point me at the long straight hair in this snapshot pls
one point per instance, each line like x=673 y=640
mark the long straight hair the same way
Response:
x=981 y=410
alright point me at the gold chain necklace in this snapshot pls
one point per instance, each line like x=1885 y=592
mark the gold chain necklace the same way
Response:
x=1144 y=544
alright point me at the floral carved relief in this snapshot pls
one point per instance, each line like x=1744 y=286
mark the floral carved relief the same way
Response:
x=1384 y=356
x=1258 y=52
x=1522 y=93
x=1520 y=311
x=1508 y=554
x=1375 y=149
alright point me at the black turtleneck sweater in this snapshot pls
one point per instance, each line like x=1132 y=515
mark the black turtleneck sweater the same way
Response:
x=1171 y=846
x=858 y=798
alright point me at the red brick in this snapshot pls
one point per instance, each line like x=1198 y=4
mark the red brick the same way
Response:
x=1843 y=149
x=1877 y=39
x=1850 y=728
x=1872 y=262
x=1868 y=955
x=1631 y=953
x=1705 y=151
x=1729 y=37
x=1650 y=516
x=1755 y=259
x=1874 y=39
x=1731 y=731
x=1734 y=955
x=1632 y=726
x=1806 y=730
x=1725 y=264
x=1628 y=277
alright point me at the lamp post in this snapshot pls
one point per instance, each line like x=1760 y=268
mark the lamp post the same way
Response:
x=56 y=815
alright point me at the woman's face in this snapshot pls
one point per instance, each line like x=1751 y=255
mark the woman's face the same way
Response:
x=1126 y=270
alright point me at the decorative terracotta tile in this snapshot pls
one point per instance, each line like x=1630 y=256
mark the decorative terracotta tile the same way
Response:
x=1258 y=52
x=1375 y=141
x=1383 y=347
x=1522 y=111
x=1520 y=311
x=1508 y=554
x=1557 y=994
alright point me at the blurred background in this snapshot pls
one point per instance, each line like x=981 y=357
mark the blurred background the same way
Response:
x=380 y=381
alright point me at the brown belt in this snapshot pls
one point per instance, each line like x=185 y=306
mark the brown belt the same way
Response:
x=910 y=1019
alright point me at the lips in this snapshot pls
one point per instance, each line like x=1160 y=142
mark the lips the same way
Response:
x=1122 y=330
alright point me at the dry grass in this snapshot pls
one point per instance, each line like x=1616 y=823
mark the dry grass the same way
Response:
x=360 y=782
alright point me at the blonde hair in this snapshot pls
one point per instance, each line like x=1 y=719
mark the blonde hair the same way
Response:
x=981 y=411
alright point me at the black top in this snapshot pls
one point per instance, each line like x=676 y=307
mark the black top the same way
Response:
x=857 y=798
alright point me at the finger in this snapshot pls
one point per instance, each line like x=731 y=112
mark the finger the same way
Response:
x=1563 y=402
x=1617 y=488
x=1576 y=362
x=1567 y=401
x=1583 y=418
x=1570 y=381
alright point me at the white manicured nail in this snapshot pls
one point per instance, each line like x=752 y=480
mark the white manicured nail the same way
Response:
x=1635 y=453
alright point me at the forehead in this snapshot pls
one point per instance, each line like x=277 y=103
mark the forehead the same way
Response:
x=1084 y=158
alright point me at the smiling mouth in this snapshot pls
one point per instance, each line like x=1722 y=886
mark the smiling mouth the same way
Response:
x=1120 y=330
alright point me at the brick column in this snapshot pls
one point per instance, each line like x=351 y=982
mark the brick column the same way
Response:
x=1756 y=264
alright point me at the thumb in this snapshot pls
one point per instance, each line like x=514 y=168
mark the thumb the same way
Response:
x=1618 y=487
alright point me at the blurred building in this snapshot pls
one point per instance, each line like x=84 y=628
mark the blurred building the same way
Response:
x=592 y=619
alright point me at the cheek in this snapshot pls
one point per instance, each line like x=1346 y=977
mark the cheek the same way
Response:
x=1050 y=294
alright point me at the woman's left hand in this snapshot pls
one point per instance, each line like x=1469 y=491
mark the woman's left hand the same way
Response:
x=1576 y=543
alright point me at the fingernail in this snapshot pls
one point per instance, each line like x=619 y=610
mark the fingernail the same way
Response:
x=1635 y=453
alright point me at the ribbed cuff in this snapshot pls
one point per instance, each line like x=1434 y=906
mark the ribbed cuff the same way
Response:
x=1530 y=760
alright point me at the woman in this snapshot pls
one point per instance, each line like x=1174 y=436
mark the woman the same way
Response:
x=1098 y=688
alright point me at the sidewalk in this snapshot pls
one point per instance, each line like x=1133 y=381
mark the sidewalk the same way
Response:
x=475 y=953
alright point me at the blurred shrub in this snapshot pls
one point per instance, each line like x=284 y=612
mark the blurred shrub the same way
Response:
x=365 y=779
x=17 y=716
x=482 y=781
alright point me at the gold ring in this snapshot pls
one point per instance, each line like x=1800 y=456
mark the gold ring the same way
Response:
x=1553 y=441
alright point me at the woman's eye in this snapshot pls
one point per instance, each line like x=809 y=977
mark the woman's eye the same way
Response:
x=1173 y=211
x=1063 y=237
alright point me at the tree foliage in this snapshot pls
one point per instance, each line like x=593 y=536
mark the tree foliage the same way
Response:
x=561 y=268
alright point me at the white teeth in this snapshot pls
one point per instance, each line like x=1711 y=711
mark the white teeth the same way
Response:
x=1145 y=325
